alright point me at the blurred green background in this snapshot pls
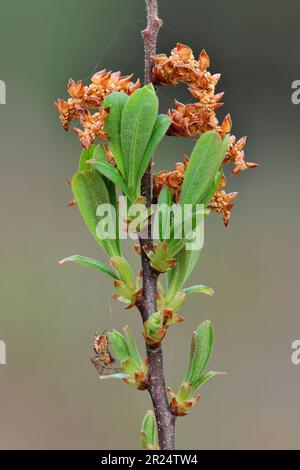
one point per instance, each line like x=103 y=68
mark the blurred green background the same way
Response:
x=51 y=397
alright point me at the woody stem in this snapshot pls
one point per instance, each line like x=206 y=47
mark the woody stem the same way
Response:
x=148 y=304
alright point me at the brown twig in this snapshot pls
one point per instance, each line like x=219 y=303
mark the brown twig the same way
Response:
x=148 y=304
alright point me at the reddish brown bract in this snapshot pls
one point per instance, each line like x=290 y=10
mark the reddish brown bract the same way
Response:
x=196 y=118
x=83 y=99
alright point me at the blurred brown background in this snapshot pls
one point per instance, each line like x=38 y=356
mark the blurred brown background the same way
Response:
x=50 y=394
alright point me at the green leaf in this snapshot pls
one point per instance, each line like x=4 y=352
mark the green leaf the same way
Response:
x=132 y=347
x=116 y=102
x=207 y=157
x=199 y=289
x=149 y=438
x=99 y=153
x=201 y=350
x=138 y=120
x=179 y=274
x=130 y=367
x=160 y=257
x=191 y=219
x=164 y=214
x=154 y=332
x=193 y=259
x=114 y=202
x=118 y=376
x=99 y=156
x=111 y=173
x=123 y=268
x=203 y=379
x=184 y=392
x=188 y=259
x=154 y=325
x=213 y=186
x=90 y=263
x=125 y=293
x=90 y=191
x=160 y=129
x=86 y=155
x=176 y=302
x=97 y=162
x=126 y=352
x=119 y=346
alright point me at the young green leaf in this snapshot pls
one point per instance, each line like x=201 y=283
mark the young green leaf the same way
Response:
x=199 y=289
x=213 y=186
x=162 y=124
x=99 y=156
x=99 y=153
x=154 y=332
x=125 y=294
x=138 y=121
x=111 y=173
x=123 y=268
x=178 y=275
x=90 y=191
x=193 y=259
x=184 y=401
x=201 y=350
x=132 y=347
x=180 y=236
x=90 y=263
x=119 y=346
x=119 y=376
x=164 y=213
x=188 y=259
x=125 y=351
x=85 y=156
x=207 y=157
x=160 y=257
x=203 y=379
x=176 y=302
x=149 y=438
x=184 y=392
x=116 y=102
x=130 y=368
